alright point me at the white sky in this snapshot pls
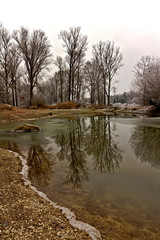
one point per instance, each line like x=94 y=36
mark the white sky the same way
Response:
x=134 y=25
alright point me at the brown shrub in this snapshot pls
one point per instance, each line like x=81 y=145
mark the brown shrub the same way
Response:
x=67 y=105
x=60 y=105
x=97 y=106
x=50 y=106
x=37 y=102
x=33 y=107
x=5 y=107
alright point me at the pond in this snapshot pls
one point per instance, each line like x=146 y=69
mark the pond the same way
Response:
x=105 y=169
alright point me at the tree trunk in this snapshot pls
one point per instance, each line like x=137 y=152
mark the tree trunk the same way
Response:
x=109 y=89
x=72 y=89
x=92 y=93
x=56 y=94
x=13 y=99
x=61 y=90
x=98 y=94
x=69 y=82
x=104 y=89
x=73 y=85
x=31 y=93
x=16 y=96
x=7 y=94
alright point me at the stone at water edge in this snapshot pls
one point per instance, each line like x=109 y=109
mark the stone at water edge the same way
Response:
x=27 y=128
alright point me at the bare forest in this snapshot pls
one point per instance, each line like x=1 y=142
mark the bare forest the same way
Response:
x=27 y=63
x=31 y=74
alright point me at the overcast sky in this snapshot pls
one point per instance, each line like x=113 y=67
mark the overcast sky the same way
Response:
x=134 y=25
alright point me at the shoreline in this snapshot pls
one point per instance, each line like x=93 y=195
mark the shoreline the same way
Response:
x=85 y=227
x=19 y=114
x=24 y=214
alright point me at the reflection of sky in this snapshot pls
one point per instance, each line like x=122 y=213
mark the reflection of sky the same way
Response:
x=142 y=121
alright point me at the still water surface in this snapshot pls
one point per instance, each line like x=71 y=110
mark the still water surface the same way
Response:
x=106 y=170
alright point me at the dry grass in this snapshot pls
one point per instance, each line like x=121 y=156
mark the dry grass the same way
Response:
x=97 y=106
x=64 y=109
x=67 y=105
x=64 y=105
x=5 y=107
x=16 y=114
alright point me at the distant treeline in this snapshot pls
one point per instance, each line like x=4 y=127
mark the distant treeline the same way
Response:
x=126 y=97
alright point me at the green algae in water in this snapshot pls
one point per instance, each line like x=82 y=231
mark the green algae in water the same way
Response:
x=49 y=128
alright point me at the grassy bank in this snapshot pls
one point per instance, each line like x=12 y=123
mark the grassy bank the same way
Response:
x=16 y=114
x=8 y=113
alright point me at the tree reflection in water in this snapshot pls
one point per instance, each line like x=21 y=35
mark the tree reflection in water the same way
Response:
x=12 y=146
x=102 y=146
x=145 y=142
x=77 y=170
x=72 y=149
x=39 y=164
x=94 y=137
x=62 y=141
x=38 y=161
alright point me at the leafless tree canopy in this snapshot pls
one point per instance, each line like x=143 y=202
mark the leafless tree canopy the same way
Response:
x=75 y=45
x=15 y=72
x=35 y=50
x=110 y=60
x=147 y=80
x=5 y=45
x=24 y=66
x=92 y=74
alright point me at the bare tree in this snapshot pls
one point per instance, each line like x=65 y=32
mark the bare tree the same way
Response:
x=61 y=73
x=79 y=78
x=35 y=50
x=98 y=53
x=2 y=92
x=147 y=80
x=15 y=73
x=113 y=60
x=92 y=75
x=50 y=90
x=110 y=61
x=76 y=45
x=5 y=45
x=141 y=70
